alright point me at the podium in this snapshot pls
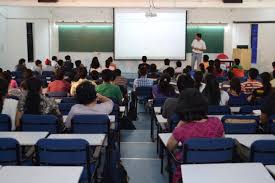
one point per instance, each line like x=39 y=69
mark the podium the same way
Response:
x=245 y=57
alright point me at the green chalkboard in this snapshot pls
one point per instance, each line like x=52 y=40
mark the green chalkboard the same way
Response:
x=100 y=38
x=82 y=38
x=212 y=35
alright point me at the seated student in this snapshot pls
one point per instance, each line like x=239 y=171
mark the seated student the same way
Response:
x=54 y=61
x=95 y=65
x=88 y=102
x=194 y=123
x=75 y=70
x=218 y=71
x=237 y=69
x=267 y=108
x=68 y=65
x=108 y=65
x=184 y=81
x=142 y=80
x=166 y=65
x=21 y=66
x=59 y=84
x=144 y=64
x=38 y=67
x=202 y=68
x=211 y=68
x=188 y=70
x=153 y=73
x=261 y=93
x=7 y=76
x=95 y=77
x=119 y=80
x=33 y=102
x=48 y=66
x=251 y=84
x=226 y=84
x=7 y=106
x=179 y=68
x=235 y=93
x=205 y=61
x=59 y=65
x=213 y=93
x=163 y=88
x=198 y=77
x=107 y=88
x=80 y=77
x=171 y=72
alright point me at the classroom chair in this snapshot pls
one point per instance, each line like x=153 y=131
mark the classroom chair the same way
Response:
x=9 y=151
x=240 y=124
x=65 y=108
x=5 y=122
x=142 y=95
x=66 y=152
x=57 y=94
x=271 y=124
x=218 y=110
x=248 y=109
x=47 y=123
x=237 y=102
x=263 y=151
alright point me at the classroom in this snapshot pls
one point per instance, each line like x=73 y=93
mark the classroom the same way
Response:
x=137 y=91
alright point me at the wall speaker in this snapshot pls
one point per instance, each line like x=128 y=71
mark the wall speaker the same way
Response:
x=233 y=1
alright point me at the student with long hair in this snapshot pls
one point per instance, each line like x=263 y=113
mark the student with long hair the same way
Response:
x=33 y=102
x=163 y=88
x=95 y=65
x=213 y=93
x=236 y=96
x=198 y=77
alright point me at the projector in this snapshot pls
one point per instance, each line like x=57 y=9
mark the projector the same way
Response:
x=150 y=14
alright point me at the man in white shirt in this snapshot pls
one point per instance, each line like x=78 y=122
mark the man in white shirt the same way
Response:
x=198 y=46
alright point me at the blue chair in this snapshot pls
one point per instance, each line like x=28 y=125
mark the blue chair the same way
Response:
x=95 y=124
x=66 y=152
x=48 y=73
x=218 y=110
x=47 y=123
x=208 y=150
x=271 y=124
x=248 y=109
x=263 y=151
x=65 y=108
x=9 y=151
x=143 y=93
x=236 y=101
x=5 y=122
x=72 y=100
x=57 y=94
x=174 y=120
x=239 y=124
x=158 y=102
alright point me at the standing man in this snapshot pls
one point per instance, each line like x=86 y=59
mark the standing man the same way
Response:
x=198 y=46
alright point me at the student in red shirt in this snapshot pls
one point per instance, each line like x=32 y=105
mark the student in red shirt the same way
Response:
x=59 y=85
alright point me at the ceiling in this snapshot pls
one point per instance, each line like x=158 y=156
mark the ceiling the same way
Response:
x=143 y=3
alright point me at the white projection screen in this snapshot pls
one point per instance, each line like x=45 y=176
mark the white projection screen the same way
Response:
x=163 y=36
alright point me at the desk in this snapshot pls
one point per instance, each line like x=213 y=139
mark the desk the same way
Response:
x=92 y=139
x=235 y=109
x=122 y=109
x=257 y=112
x=25 y=138
x=248 y=139
x=41 y=174
x=271 y=169
x=157 y=110
x=164 y=137
x=226 y=173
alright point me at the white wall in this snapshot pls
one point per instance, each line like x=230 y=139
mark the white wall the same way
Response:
x=47 y=35
x=3 y=46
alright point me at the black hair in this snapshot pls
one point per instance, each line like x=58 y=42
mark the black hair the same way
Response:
x=166 y=61
x=153 y=68
x=107 y=75
x=85 y=93
x=27 y=74
x=235 y=85
x=60 y=62
x=202 y=68
x=273 y=64
x=188 y=68
x=77 y=63
x=95 y=75
x=205 y=58
x=170 y=71
x=212 y=90
x=218 y=66
x=185 y=81
x=6 y=75
x=108 y=63
x=142 y=71
x=33 y=99
x=253 y=73
x=198 y=77
x=164 y=85
x=67 y=57
x=1 y=70
x=211 y=62
x=117 y=72
x=144 y=59
x=178 y=63
x=54 y=58
x=266 y=78
x=199 y=35
x=82 y=73
x=237 y=61
x=4 y=85
x=38 y=62
x=59 y=74
x=95 y=63
x=21 y=61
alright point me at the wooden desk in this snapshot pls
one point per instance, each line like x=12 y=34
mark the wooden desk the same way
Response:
x=226 y=173
x=40 y=174
x=25 y=138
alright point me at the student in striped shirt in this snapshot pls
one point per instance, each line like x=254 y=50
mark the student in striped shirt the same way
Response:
x=251 y=84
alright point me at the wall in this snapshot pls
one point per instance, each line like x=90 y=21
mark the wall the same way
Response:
x=47 y=35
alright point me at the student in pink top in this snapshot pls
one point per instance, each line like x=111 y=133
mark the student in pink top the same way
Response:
x=194 y=123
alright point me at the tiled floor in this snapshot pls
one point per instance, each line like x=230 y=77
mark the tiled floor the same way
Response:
x=139 y=154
